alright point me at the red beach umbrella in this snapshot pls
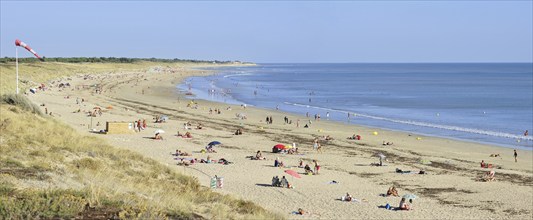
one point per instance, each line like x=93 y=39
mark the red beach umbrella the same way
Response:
x=280 y=146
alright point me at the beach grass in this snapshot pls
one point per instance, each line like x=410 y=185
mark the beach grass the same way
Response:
x=48 y=170
x=32 y=74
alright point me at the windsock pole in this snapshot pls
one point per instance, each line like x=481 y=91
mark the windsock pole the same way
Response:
x=17 y=64
x=19 y=43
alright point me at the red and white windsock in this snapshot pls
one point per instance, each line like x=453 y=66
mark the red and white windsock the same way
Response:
x=22 y=44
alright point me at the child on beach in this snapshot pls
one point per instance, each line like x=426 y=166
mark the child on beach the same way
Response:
x=308 y=170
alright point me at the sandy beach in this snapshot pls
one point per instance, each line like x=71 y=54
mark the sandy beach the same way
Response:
x=450 y=189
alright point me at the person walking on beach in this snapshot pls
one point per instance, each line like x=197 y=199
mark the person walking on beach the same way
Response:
x=315 y=144
x=526 y=133
x=515 y=156
x=298 y=123
x=317 y=167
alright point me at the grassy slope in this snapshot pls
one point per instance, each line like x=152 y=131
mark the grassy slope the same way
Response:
x=49 y=170
x=30 y=74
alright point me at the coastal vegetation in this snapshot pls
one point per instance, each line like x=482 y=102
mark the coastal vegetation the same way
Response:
x=110 y=60
x=48 y=170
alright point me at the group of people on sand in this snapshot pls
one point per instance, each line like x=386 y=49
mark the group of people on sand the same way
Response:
x=278 y=163
x=269 y=120
x=387 y=143
x=180 y=153
x=355 y=137
x=307 y=168
x=283 y=182
x=217 y=111
x=210 y=149
x=403 y=202
x=139 y=125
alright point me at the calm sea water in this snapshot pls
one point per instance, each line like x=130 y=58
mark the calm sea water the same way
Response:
x=488 y=103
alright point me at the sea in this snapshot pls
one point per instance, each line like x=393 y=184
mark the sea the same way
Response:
x=478 y=102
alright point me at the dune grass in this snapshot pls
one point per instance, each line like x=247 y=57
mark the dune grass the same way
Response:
x=32 y=74
x=48 y=170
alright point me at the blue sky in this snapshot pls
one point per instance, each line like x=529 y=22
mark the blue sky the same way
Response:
x=383 y=31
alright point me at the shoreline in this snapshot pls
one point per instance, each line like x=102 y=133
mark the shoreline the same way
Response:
x=448 y=191
x=206 y=97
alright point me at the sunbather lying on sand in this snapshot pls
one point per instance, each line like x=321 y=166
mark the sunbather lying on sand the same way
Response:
x=180 y=153
x=186 y=135
x=208 y=160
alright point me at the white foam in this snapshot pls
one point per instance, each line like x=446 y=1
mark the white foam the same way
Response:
x=425 y=124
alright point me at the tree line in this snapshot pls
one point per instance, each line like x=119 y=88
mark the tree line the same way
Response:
x=108 y=60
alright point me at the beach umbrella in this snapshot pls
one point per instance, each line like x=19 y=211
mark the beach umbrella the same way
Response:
x=293 y=173
x=212 y=143
x=96 y=107
x=159 y=131
x=409 y=196
x=280 y=146
x=381 y=155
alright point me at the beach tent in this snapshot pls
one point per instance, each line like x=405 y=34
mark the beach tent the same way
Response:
x=278 y=147
x=409 y=196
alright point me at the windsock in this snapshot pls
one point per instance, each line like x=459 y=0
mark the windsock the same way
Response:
x=22 y=44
